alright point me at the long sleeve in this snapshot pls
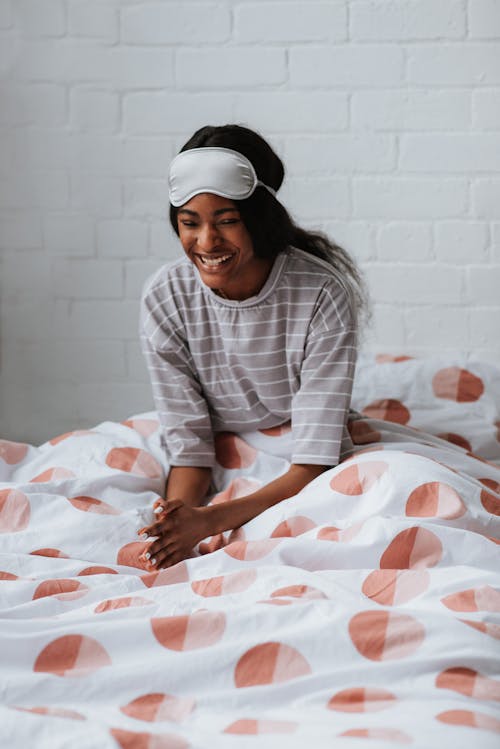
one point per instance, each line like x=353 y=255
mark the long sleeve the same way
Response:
x=182 y=410
x=321 y=405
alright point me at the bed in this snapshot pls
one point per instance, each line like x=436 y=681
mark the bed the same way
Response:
x=364 y=611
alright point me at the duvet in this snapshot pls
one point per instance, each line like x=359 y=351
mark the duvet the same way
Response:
x=362 y=612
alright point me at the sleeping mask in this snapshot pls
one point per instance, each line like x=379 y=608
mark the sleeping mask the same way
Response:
x=221 y=171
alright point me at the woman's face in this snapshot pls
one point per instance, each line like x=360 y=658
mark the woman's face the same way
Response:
x=216 y=240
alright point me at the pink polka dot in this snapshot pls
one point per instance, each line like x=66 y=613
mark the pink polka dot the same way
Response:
x=232 y=452
x=361 y=700
x=469 y=683
x=238 y=487
x=413 y=548
x=132 y=740
x=388 y=409
x=391 y=358
x=72 y=655
x=67 y=435
x=54 y=712
x=235 y=582
x=456 y=439
x=394 y=587
x=90 y=504
x=358 y=478
x=58 y=473
x=294 y=526
x=330 y=533
x=121 y=603
x=469 y=718
x=61 y=589
x=270 y=663
x=7 y=576
x=214 y=544
x=483 y=598
x=493 y=630
x=252 y=727
x=299 y=591
x=435 y=499
x=362 y=433
x=170 y=576
x=15 y=511
x=56 y=553
x=130 y=554
x=133 y=460
x=384 y=635
x=249 y=551
x=145 y=427
x=457 y=384
x=277 y=431
x=198 y=630
x=97 y=570
x=490 y=500
x=382 y=734
x=13 y=452
x=158 y=706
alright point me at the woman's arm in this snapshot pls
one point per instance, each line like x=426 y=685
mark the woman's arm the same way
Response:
x=189 y=484
x=181 y=525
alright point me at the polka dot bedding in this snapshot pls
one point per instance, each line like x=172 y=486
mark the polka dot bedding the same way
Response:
x=362 y=612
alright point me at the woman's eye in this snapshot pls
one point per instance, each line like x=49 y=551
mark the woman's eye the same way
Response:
x=188 y=223
x=230 y=221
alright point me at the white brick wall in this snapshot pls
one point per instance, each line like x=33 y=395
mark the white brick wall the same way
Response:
x=387 y=115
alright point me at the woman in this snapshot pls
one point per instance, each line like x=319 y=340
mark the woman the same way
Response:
x=255 y=326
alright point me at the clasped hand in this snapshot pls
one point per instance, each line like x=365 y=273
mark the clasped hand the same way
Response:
x=178 y=529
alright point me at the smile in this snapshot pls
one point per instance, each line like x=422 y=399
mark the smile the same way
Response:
x=213 y=262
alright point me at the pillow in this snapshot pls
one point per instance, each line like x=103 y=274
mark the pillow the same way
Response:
x=453 y=398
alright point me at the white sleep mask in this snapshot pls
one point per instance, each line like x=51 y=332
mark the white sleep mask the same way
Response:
x=221 y=171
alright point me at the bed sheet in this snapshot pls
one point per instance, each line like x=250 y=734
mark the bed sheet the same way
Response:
x=364 y=611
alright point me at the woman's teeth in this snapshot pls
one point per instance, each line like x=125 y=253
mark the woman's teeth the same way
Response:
x=214 y=262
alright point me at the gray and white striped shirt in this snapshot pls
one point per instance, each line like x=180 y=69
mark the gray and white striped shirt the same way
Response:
x=224 y=365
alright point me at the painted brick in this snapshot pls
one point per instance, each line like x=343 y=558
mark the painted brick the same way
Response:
x=136 y=274
x=411 y=110
x=94 y=111
x=111 y=401
x=484 y=19
x=163 y=242
x=434 y=326
x=145 y=198
x=40 y=17
x=42 y=104
x=47 y=148
x=137 y=370
x=409 y=198
x=450 y=153
x=26 y=417
x=316 y=198
x=16 y=279
x=69 y=235
x=461 y=242
x=151 y=112
x=96 y=195
x=20 y=231
x=121 y=238
x=413 y=284
x=483 y=327
x=412 y=19
x=93 y=20
x=483 y=285
x=366 y=65
x=115 y=320
x=176 y=23
x=87 y=279
x=292 y=111
x=486 y=109
x=227 y=67
x=485 y=201
x=454 y=64
x=386 y=329
x=293 y=22
x=403 y=241
x=495 y=243
x=340 y=153
x=45 y=190
x=356 y=237
x=6 y=14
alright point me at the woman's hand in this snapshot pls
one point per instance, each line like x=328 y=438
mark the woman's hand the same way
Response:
x=178 y=529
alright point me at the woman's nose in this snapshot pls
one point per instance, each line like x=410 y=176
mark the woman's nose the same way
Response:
x=207 y=237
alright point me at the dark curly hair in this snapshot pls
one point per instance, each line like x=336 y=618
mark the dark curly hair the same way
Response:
x=269 y=224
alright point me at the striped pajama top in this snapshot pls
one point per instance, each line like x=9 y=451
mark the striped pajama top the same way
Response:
x=224 y=365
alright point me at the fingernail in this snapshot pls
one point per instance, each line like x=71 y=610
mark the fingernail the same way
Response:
x=153 y=562
x=158 y=510
x=147 y=555
x=144 y=536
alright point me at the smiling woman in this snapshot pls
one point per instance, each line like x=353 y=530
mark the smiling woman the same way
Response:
x=254 y=327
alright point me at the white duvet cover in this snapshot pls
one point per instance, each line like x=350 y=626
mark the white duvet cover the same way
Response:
x=363 y=612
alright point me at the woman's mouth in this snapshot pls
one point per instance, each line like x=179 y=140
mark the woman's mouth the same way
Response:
x=209 y=261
